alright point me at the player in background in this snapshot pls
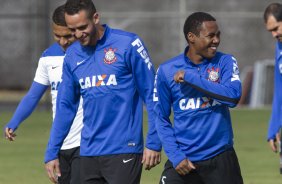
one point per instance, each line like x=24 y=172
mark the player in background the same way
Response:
x=49 y=73
x=200 y=85
x=273 y=23
x=112 y=71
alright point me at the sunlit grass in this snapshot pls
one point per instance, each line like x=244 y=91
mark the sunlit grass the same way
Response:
x=21 y=162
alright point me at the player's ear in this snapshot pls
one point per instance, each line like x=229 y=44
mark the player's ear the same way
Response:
x=191 y=37
x=96 y=18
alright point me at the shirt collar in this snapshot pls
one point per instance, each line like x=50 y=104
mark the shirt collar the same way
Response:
x=187 y=60
x=107 y=31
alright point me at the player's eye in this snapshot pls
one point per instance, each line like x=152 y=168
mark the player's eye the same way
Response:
x=72 y=29
x=67 y=36
x=82 y=27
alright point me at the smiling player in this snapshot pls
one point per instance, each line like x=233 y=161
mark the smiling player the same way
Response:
x=49 y=73
x=200 y=85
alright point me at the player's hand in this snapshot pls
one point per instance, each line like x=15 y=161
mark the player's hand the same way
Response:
x=273 y=143
x=150 y=158
x=179 y=76
x=53 y=170
x=184 y=167
x=9 y=134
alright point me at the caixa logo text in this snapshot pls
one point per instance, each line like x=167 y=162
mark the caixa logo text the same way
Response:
x=197 y=103
x=98 y=80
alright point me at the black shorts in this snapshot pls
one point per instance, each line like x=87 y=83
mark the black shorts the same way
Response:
x=111 y=169
x=222 y=169
x=69 y=165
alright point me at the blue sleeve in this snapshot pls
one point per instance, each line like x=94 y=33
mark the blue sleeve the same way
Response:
x=227 y=91
x=66 y=108
x=163 y=123
x=275 y=119
x=144 y=74
x=27 y=105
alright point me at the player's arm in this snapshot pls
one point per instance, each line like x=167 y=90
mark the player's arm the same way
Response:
x=227 y=91
x=144 y=74
x=66 y=108
x=164 y=126
x=275 y=119
x=53 y=170
x=25 y=108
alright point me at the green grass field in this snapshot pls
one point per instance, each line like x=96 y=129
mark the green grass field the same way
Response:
x=21 y=162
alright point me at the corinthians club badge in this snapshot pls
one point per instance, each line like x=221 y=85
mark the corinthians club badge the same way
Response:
x=110 y=56
x=213 y=74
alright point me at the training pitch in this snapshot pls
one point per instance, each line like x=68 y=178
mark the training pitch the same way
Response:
x=21 y=161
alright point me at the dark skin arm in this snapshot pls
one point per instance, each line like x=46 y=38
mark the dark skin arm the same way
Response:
x=274 y=143
x=184 y=167
x=179 y=76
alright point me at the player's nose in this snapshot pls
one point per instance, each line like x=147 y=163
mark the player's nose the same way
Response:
x=78 y=34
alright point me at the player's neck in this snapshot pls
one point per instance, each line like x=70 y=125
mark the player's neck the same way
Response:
x=98 y=35
x=194 y=57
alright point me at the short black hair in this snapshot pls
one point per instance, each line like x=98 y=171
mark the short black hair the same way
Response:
x=58 y=17
x=74 y=6
x=194 y=22
x=274 y=9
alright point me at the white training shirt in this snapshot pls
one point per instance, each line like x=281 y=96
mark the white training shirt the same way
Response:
x=49 y=72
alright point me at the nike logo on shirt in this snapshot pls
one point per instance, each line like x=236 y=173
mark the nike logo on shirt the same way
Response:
x=80 y=62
